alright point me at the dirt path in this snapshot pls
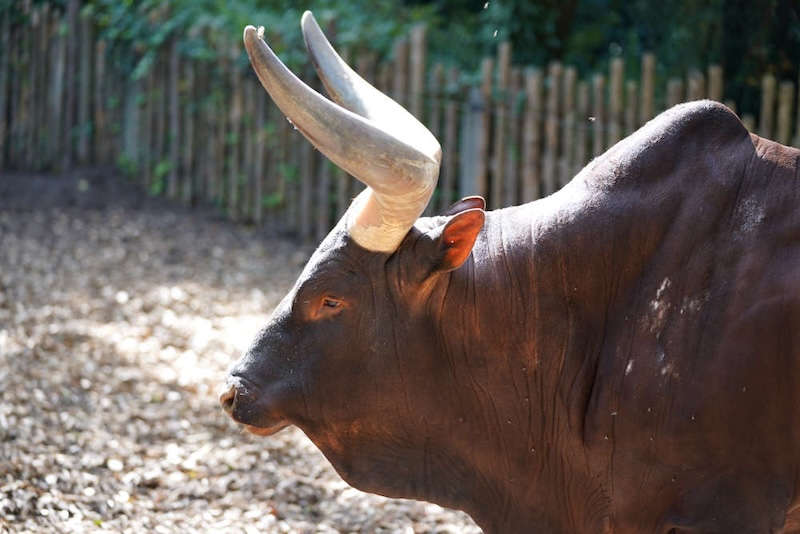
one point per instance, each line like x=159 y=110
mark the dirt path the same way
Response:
x=118 y=317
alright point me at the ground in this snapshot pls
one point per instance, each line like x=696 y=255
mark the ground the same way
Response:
x=119 y=315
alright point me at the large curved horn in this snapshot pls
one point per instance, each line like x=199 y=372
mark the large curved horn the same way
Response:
x=400 y=170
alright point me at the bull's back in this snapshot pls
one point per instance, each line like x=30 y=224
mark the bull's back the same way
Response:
x=702 y=359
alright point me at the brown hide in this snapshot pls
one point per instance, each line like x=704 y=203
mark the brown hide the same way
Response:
x=621 y=356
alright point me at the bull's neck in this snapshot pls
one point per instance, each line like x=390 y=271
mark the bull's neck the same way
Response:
x=526 y=349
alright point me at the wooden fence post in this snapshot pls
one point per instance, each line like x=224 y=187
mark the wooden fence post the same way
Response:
x=549 y=178
x=84 y=123
x=674 y=92
x=582 y=127
x=400 y=81
x=598 y=113
x=696 y=86
x=785 y=103
x=436 y=98
x=469 y=147
x=174 y=120
x=5 y=42
x=511 y=174
x=102 y=135
x=260 y=149
x=647 y=110
x=40 y=44
x=797 y=121
x=566 y=164
x=450 y=146
x=715 y=83
x=749 y=122
x=631 y=106
x=306 y=151
x=323 y=187
x=417 y=79
x=531 y=153
x=766 y=117
x=484 y=129
x=234 y=138
x=249 y=137
x=69 y=83
x=616 y=73
x=341 y=178
x=188 y=170
x=500 y=124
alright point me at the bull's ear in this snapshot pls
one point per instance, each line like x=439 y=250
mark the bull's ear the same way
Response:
x=453 y=240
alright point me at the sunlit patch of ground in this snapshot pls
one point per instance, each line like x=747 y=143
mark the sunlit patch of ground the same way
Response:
x=116 y=328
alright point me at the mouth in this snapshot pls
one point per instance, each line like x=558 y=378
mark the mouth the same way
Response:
x=266 y=430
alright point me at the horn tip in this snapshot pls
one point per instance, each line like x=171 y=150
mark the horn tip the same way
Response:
x=308 y=22
x=252 y=34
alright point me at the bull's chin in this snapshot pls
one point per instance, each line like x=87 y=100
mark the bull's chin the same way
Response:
x=266 y=430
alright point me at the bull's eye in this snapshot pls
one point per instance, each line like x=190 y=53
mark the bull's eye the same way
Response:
x=331 y=303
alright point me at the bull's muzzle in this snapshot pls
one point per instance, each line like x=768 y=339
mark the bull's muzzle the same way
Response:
x=239 y=400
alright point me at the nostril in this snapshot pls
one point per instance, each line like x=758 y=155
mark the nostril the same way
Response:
x=227 y=399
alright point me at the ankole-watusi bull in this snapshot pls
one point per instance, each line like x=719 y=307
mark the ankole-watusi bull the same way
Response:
x=622 y=356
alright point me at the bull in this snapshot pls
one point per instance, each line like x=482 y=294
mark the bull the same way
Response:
x=621 y=356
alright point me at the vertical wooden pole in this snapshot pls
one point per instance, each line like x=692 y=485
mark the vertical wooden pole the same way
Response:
x=674 y=92
x=69 y=83
x=647 y=109
x=26 y=97
x=323 y=187
x=749 y=122
x=12 y=136
x=631 y=106
x=187 y=144
x=84 y=89
x=468 y=151
x=162 y=120
x=5 y=38
x=234 y=139
x=513 y=184
x=29 y=89
x=796 y=142
x=400 y=81
x=102 y=135
x=436 y=97
x=615 y=100
x=551 y=128
x=306 y=178
x=532 y=136
x=581 y=134
x=417 y=81
x=567 y=126
x=715 y=83
x=146 y=130
x=217 y=120
x=785 y=103
x=598 y=113
x=174 y=136
x=260 y=147
x=484 y=131
x=500 y=125
x=696 y=86
x=450 y=148
x=766 y=117
x=341 y=178
x=41 y=42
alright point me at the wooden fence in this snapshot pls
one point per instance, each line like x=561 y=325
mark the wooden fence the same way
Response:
x=205 y=132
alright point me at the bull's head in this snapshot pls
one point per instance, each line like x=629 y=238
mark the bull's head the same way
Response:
x=353 y=354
